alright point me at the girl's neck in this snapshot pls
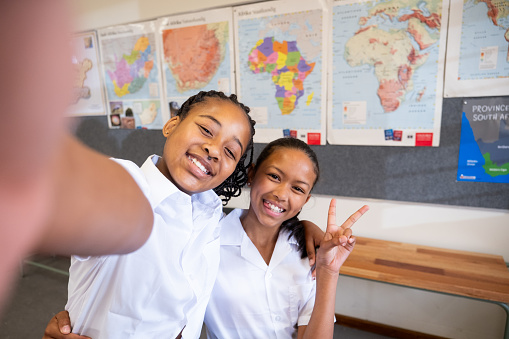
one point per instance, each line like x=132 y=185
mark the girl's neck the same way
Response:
x=264 y=238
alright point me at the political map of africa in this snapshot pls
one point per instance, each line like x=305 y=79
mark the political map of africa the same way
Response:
x=287 y=67
x=280 y=69
x=386 y=56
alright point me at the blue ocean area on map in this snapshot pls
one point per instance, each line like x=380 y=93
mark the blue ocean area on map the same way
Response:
x=470 y=153
x=475 y=15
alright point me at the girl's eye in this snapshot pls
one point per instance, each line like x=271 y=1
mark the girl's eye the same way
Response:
x=273 y=176
x=298 y=189
x=204 y=130
x=230 y=153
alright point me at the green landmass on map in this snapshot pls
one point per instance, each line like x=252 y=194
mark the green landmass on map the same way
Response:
x=493 y=169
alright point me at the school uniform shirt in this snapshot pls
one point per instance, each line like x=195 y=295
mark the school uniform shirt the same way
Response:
x=163 y=286
x=251 y=299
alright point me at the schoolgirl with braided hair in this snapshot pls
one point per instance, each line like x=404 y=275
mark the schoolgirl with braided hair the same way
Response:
x=232 y=186
x=161 y=290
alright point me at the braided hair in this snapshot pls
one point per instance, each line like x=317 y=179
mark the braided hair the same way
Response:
x=232 y=186
x=292 y=226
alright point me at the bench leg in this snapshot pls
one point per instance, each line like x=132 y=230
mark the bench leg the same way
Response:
x=506 y=309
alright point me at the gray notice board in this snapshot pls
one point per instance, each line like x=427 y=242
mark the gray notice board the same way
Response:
x=414 y=174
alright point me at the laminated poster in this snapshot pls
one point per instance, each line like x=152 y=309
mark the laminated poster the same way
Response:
x=386 y=78
x=87 y=95
x=281 y=60
x=196 y=54
x=478 y=49
x=484 y=144
x=132 y=75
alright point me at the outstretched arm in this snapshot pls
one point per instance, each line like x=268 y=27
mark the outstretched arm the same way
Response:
x=56 y=195
x=336 y=246
x=96 y=206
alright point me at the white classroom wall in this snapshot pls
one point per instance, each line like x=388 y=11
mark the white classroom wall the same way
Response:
x=462 y=228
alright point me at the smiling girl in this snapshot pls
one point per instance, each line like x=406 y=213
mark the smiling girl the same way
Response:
x=264 y=288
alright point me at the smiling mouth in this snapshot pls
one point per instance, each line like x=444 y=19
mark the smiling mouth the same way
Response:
x=273 y=207
x=198 y=164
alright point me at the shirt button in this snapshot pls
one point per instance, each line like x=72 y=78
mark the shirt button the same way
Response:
x=278 y=318
x=269 y=275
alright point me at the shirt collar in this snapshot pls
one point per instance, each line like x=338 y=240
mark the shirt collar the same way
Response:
x=232 y=231
x=231 y=228
x=160 y=186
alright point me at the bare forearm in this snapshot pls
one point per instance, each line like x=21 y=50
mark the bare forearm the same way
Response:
x=321 y=324
x=97 y=206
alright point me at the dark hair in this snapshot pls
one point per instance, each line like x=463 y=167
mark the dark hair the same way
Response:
x=293 y=225
x=232 y=186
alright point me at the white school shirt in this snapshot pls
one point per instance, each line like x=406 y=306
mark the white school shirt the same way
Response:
x=163 y=286
x=252 y=299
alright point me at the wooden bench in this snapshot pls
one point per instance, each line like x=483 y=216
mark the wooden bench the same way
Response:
x=472 y=275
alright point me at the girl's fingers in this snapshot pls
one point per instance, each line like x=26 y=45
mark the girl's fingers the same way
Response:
x=353 y=218
x=331 y=218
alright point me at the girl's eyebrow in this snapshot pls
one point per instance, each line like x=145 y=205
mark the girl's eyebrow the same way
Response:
x=217 y=122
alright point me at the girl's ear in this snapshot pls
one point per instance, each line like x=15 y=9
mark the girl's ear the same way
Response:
x=170 y=125
x=250 y=174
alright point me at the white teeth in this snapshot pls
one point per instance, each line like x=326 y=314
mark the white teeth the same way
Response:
x=199 y=165
x=275 y=208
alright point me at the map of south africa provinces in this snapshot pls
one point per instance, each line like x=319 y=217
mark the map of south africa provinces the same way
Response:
x=197 y=54
x=87 y=96
x=478 y=49
x=484 y=144
x=281 y=68
x=131 y=74
x=387 y=65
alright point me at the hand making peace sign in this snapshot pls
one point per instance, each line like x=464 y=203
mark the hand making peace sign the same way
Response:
x=338 y=241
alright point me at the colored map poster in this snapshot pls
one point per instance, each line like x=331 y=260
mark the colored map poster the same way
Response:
x=478 y=49
x=281 y=49
x=386 y=76
x=484 y=144
x=131 y=73
x=88 y=96
x=196 y=54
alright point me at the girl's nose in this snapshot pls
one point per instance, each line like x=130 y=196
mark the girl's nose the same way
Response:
x=280 y=193
x=212 y=152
